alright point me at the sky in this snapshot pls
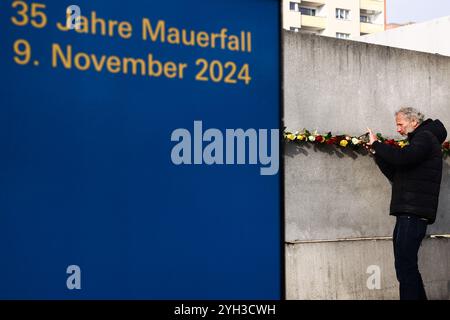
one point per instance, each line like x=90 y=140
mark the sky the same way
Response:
x=400 y=11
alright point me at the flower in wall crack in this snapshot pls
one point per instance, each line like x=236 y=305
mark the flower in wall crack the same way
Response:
x=320 y=139
x=332 y=140
x=402 y=144
x=345 y=140
x=356 y=141
x=290 y=136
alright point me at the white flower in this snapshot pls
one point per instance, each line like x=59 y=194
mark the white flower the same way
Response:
x=312 y=138
x=356 y=141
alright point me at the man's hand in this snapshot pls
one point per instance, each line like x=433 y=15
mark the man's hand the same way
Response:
x=372 y=137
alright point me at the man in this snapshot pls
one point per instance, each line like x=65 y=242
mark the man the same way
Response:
x=415 y=173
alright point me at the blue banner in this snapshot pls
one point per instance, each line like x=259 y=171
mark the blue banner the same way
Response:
x=139 y=153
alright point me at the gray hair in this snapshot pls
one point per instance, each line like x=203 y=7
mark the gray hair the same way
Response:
x=411 y=114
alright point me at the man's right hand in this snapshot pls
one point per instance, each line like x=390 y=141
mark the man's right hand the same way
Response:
x=372 y=137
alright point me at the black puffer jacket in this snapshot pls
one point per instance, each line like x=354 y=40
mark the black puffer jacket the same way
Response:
x=415 y=171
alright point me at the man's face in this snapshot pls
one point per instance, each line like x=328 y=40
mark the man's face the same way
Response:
x=404 y=126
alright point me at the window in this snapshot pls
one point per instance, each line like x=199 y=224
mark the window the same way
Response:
x=342 y=14
x=340 y=35
x=365 y=19
x=308 y=11
x=294 y=29
x=294 y=6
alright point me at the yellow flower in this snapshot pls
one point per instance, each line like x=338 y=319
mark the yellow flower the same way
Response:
x=402 y=144
x=343 y=143
x=290 y=136
x=301 y=137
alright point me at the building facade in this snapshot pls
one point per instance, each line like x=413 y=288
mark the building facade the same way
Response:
x=345 y=19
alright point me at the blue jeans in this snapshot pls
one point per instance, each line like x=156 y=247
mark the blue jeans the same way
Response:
x=408 y=235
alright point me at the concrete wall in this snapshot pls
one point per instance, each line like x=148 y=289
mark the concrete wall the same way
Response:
x=340 y=270
x=344 y=86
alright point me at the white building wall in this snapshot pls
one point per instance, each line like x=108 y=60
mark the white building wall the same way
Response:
x=431 y=36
